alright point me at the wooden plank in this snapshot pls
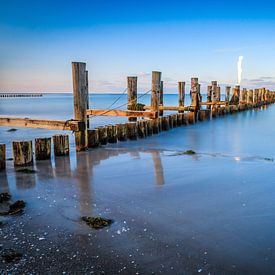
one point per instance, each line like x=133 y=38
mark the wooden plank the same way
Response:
x=168 y=108
x=128 y=113
x=213 y=103
x=42 y=124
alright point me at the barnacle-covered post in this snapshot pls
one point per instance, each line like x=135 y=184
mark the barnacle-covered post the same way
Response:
x=42 y=148
x=132 y=94
x=80 y=103
x=156 y=83
x=22 y=153
x=181 y=90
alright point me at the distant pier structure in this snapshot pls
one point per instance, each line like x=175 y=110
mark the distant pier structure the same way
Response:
x=21 y=94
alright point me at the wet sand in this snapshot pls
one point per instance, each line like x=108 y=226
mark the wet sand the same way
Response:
x=211 y=213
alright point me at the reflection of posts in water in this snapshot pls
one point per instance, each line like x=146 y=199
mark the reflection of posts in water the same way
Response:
x=4 y=186
x=84 y=170
x=134 y=154
x=25 y=179
x=63 y=167
x=158 y=169
x=44 y=170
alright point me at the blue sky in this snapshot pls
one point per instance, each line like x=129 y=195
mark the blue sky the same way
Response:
x=39 y=39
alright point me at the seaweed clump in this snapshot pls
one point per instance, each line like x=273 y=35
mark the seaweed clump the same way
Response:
x=189 y=152
x=17 y=207
x=10 y=255
x=137 y=107
x=4 y=197
x=12 y=130
x=97 y=222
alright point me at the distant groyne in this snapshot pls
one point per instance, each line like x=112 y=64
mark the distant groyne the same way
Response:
x=21 y=94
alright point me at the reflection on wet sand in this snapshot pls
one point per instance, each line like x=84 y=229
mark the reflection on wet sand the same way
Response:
x=83 y=174
x=25 y=180
x=44 y=170
x=4 y=186
x=158 y=169
x=63 y=167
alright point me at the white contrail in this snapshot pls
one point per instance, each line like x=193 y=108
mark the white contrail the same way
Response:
x=240 y=70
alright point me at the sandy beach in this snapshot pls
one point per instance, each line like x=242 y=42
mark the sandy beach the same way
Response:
x=210 y=213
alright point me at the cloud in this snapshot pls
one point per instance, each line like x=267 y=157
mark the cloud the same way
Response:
x=268 y=81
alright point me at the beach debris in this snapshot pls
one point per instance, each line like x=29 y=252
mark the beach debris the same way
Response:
x=12 y=130
x=189 y=152
x=16 y=207
x=10 y=255
x=26 y=171
x=4 y=197
x=97 y=222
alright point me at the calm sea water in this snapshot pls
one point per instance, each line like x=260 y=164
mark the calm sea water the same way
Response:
x=211 y=213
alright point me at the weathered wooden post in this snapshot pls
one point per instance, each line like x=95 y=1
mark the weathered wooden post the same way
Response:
x=2 y=157
x=242 y=103
x=141 y=129
x=255 y=97
x=209 y=97
x=22 y=153
x=214 y=98
x=161 y=98
x=131 y=130
x=80 y=103
x=235 y=97
x=102 y=135
x=156 y=79
x=42 y=148
x=195 y=97
x=112 y=133
x=250 y=98
x=61 y=145
x=93 y=138
x=181 y=91
x=87 y=95
x=218 y=93
x=121 y=132
x=132 y=95
x=227 y=94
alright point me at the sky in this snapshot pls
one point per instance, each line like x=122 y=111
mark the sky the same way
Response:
x=182 y=39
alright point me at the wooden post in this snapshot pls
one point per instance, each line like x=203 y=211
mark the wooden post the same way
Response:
x=141 y=129
x=93 y=138
x=149 y=127
x=155 y=126
x=218 y=93
x=80 y=103
x=165 y=123
x=227 y=94
x=255 y=97
x=194 y=93
x=2 y=157
x=131 y=130
x=112 y=133
x=250 y=98
x=102 y=135
x=87 y=95
x=42 y=148
x=181 y=91
x=156 y=79
x=235 y=97
x=209 y=96
x=22 y=153
x=132 y=94
x=214 y=91
x=61 y=145
x=161 y=98
x=121 y=132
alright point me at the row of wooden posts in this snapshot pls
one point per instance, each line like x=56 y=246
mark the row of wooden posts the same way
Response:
x=152 y=119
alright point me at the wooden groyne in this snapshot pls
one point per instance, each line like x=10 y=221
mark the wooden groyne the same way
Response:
x=144 y=120
x=20 y=94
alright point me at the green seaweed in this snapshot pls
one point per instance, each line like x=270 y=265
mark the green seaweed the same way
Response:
x=97 y=222
x=189 y=152
x=137 y=107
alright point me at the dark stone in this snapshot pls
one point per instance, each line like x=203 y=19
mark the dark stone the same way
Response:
x=97 y=222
